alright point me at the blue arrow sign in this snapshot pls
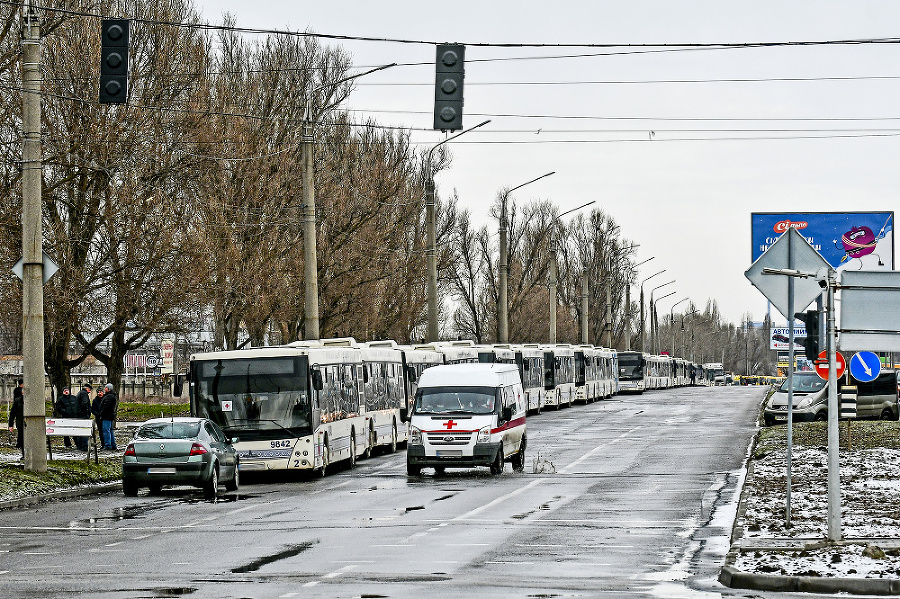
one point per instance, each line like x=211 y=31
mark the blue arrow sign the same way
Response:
x=865 y=366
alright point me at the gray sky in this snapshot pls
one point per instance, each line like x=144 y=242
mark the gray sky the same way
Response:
x=670 y=160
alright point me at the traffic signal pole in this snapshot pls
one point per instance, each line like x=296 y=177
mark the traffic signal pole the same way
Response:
x=35 y=434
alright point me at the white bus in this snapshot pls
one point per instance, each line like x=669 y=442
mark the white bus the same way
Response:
x=496 y=354
x=559 y=375
x=291 y=408
x=453 y=352
x=530 y=360
x=587 y=376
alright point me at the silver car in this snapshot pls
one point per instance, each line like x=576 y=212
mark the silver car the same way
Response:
x=179 y=451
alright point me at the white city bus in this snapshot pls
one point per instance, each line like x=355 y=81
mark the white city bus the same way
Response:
x=290 y=407
x=530 y=360
x=559 y=375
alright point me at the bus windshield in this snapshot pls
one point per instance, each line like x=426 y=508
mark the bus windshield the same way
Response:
x=456 y=400
x=630 y=366
x=255 y=398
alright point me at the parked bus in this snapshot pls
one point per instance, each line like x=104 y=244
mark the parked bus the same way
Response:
x=530 y=360
x=559 y=375
x=632 y=371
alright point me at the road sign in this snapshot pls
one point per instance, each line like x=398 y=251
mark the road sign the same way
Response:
x=865 y=366
x=848 y=403
x=869 y=316
x=50 y=267
x=790 y=251
x=822 y=364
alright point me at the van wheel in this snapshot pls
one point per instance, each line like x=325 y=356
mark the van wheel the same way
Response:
x=497 y=465
x=769 y=420
x=887 y=414
x=821 y=416
x=518 y=460
x=413 y=470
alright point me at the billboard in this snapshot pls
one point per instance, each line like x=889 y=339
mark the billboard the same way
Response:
x=847 y=240
x=779 y=338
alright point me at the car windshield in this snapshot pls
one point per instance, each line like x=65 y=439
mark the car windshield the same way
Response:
x=804 y=383
x=455 y=400
x=168 y=430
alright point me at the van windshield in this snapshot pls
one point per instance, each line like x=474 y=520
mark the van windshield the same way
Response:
x=456 y=400
x=804 y=382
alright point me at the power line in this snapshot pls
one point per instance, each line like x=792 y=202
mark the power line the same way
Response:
x=307 y=34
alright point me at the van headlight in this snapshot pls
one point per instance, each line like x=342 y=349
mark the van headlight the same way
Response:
x=484 y=435
x=804 y=403
x=415 y=435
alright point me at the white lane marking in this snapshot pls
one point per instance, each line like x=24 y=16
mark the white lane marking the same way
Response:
x=287 y=595
x=467 y=545
x=142 y=537
x=311 y=584
x=392 y=545
x=500 y=499
x=340 y=572
x=331 y=488
x=596 y=449
x=181 y=563
x=4 y=571
x=252 y=507
x=38 y=553
x=114 y=544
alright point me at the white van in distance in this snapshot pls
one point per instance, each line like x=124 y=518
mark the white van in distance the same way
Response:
x=467 y=415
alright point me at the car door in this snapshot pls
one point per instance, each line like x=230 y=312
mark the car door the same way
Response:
x=217 y=445
x=229 y=453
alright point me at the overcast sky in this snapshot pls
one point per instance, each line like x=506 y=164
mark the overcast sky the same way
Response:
x=679 y=147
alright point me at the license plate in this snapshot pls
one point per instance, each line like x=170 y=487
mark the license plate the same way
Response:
x=160 y=471
x=781 y=418
x=449 y=453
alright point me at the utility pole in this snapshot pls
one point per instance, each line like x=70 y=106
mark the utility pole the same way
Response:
x=628 y=316
x=609 y=322
x=35 y=434
x=553 y=284
x=503 y=306
x=310 y=263
x=584 y=308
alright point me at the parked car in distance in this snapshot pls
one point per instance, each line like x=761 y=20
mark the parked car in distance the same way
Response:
x=180 y=451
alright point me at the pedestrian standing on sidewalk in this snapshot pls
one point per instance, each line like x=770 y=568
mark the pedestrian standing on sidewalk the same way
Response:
x=66 y=407
x=108 y=407
x=83 y=407
x=17 y=416
x=95 y=410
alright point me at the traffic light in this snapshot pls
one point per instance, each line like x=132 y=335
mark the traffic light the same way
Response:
x=448 y=87
x=811 y=345
x=113 y=61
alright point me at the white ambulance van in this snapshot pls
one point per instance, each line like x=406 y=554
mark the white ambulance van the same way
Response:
x=467 y=415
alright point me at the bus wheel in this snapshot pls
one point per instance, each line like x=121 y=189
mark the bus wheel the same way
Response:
x=352 y=462
x=497 y=465
x=326 y=458
x=371 y=447
x=393 y=446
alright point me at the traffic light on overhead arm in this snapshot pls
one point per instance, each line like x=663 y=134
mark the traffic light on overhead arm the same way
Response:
x=113 y=61
x=811 y=345
x=448 y=87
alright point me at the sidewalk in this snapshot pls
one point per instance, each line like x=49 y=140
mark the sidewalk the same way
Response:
x=767 y=556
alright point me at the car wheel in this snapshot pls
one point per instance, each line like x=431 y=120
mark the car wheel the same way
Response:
x=887 y=414
x=129 y=488
x=518 y=460
x=413 y=470
x=235 y=481
x=393 y=446
x=352 y=461
x=211 y=486
x=497 y=466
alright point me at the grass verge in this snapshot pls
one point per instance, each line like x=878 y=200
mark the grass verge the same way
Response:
x=16 y=482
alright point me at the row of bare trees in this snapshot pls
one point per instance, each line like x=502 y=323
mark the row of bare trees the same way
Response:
x=181 y=210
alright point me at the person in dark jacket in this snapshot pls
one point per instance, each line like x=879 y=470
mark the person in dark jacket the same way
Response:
x=66 y=407
x=108 y=407
x=83 y=410
x=17 y=416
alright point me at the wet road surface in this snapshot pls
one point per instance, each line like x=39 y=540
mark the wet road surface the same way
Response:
x=628 y=497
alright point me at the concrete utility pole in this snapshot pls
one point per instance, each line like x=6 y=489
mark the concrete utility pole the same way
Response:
x=503 y=283
x=834 y=467
x=609 y=322
x=35 y=434
x=584 y=308
x=310 y=260
x=643 y=328
x=552 y=284
x=433 y=331
x=628 y=316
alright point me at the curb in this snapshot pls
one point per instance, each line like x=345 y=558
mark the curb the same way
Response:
x=734 y=578
x=12 y=504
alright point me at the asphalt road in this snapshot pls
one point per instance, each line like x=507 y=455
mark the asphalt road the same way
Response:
x=629 y=497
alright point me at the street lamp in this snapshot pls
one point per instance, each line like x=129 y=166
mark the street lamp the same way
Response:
x=691 y=313
x=654 y=322
x=672 y=321
x=310 y=261
x=553 y=274
x=628 y=305
x=652 y=341
x=642 y=304
x=430 y=235
x=502 y=305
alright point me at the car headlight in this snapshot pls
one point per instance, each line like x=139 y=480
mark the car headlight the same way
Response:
x=484 y=435
x=415 y=435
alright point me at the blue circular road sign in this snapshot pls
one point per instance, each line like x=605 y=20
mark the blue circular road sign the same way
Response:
x=865 y=366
